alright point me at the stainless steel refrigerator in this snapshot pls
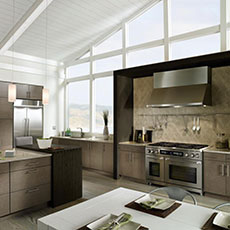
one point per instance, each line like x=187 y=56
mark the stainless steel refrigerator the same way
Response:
x=28 y=119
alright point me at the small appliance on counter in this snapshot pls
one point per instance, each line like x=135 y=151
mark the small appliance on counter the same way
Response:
x=9 y=153
x=143 y=135
x=222 y=141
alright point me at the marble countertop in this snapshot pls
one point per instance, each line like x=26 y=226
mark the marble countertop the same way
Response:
x=93 y=139
x=132 y=143
x=213 y=149
x=22 y=154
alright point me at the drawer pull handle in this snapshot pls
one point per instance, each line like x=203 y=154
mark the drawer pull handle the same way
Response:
x=31 y=171
x=228 y=171
x=222 y=169
x=32 y=190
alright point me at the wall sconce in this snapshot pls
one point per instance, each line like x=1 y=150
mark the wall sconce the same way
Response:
x=12 y=92
x=45 y=96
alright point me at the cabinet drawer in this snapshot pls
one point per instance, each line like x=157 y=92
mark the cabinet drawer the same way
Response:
x=4 y=205
x=228 y=157
x=4 y=168
x=29 y=178
x=132 y=148
x=27 y=164
x=214 y=156
x=4 y=183
x=30 y=197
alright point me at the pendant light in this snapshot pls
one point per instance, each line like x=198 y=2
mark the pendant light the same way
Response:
x=45 y=92
x=12 y=87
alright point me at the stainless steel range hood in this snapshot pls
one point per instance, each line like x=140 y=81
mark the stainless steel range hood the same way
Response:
x=180 y=88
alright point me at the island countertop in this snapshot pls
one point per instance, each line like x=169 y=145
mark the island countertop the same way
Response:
x=23 y=154
x=54 y=148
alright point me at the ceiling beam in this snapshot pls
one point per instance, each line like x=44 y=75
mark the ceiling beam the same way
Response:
x=23 y=24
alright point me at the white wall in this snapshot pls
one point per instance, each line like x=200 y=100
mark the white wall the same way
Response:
x=32 y=72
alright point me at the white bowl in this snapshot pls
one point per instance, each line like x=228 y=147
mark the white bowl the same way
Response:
x=44 y=143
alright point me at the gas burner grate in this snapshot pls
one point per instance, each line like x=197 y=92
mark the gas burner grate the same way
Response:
x=178 y=145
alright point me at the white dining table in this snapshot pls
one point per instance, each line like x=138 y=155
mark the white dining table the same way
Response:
x=186 y=217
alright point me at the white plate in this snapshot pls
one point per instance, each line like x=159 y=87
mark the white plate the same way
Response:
x=222 y=220
x=105 y=219
x=162 y=206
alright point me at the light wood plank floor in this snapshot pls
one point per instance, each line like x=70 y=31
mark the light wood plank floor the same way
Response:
x=94 y=184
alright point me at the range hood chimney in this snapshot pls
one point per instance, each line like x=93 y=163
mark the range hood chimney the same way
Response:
x=180 y=88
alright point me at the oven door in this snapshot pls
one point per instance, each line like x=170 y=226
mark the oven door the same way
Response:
x=155 y=168
x=181 y=172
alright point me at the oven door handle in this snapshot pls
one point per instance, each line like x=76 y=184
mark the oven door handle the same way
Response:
x=155 y=158
x=179 y=161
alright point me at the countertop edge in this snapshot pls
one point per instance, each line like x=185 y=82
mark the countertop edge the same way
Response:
x=85 y=139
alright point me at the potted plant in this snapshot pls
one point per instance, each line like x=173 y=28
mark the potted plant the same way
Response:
x=106 y=120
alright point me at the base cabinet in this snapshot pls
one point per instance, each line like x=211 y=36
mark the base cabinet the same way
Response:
x=24 y=184
x=217 y=173
x=132 y=161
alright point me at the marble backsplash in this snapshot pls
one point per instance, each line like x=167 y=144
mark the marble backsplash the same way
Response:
x=175 y=124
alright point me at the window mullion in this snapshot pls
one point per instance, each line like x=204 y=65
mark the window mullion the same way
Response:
x=92 y=101
x=124 y=45
x=223 y=25
x=166 y=29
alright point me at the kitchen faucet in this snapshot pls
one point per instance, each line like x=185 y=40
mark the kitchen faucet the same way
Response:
x=82 y=134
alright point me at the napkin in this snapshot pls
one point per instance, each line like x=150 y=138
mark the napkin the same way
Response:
x=116 y=225
x=151 y=203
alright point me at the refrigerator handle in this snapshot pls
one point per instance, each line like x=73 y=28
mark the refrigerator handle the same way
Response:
x=25 y=127
x=28 y=127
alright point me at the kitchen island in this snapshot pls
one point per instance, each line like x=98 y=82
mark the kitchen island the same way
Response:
x=187 y=216
x=66 y=172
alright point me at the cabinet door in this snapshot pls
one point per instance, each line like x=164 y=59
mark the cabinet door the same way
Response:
x=96 y=152
x=4 y=89
x=85 y=153
x=4 y=205
x=6 y=109
x=35 y=92
x=108 y=158
x=228 y=177
x=214 y=177
x=138 y=165
x=22 y=91
x=125 y=163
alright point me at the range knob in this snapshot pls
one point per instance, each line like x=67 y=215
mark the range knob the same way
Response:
x=197 y=155
x=186 y=155
x=192 y=155
x=149 y=151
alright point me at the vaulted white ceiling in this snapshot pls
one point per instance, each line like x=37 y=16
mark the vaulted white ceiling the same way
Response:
x=73 y=25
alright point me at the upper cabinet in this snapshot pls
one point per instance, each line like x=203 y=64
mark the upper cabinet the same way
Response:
x=3 y=90
x=29 y=92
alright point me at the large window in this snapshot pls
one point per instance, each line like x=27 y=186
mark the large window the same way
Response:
x=147 y=27
x=108 y=64
x=196 y=46
x=147 y=56
x=103 y=101
x=191 y=15
x=163 y=32
x=112 y=43
x=78 y=108
x=78 y=70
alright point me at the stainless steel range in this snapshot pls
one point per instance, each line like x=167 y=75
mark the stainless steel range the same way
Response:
x=169 y=163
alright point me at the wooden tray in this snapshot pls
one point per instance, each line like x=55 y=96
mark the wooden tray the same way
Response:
x=154 y=212
x=209 y=224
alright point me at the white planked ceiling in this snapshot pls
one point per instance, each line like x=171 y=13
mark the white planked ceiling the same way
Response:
x=6 y=14
x=72 y=24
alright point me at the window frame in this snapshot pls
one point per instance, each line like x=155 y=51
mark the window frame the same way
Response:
x=223 y=28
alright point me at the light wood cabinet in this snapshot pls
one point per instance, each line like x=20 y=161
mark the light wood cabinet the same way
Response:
x=4 y=189
x=217 y=173
x=25 y=183
x=30 y=197
x=6 y=109
x=3 y=90
x=132 y=161
x=107 y=158
x=96 y=155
